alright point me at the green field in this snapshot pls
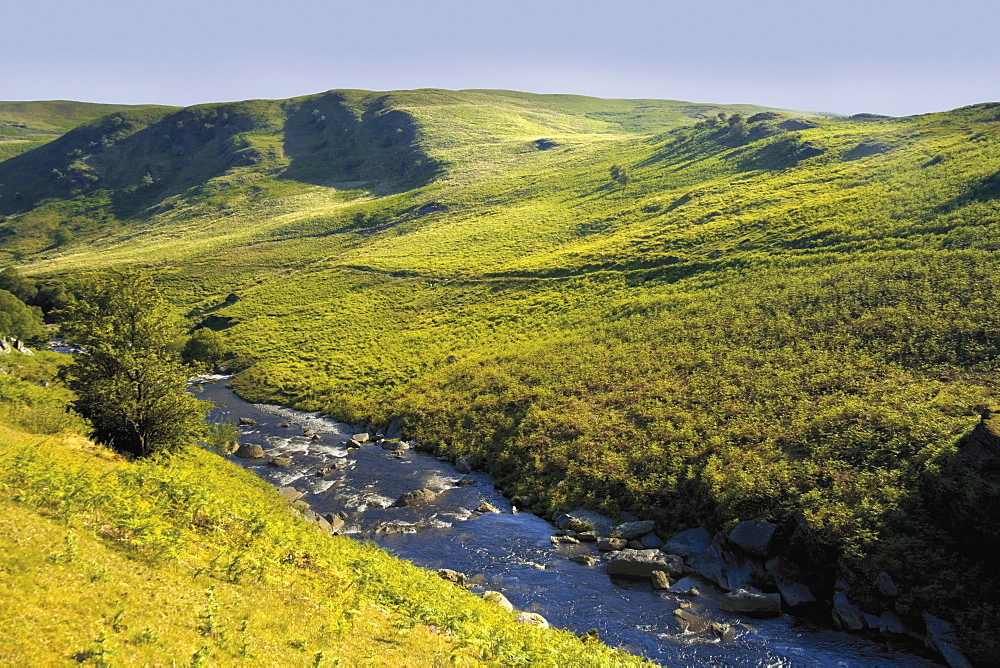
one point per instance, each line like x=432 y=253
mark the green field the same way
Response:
x=774 y=315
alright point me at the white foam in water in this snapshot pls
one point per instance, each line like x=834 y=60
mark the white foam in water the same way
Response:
x=438 y=480
x=314 y=421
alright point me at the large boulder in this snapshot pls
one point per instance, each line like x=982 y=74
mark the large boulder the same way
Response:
x=415 y=498
x=580 y=519
x=688 y=543
x=336 y=522
x=642 y=563
x=886 y=586
x=753 y=536
x=788 y=579
x=250 y=451
x=462 y=465
x=941 y=636
x=632 y=530
x=360 y=438
x=248 y=422
x=746 y=602
x=395 y=428
x=611 y=544
x=281 y=462
x=691 y=622
x=651 y=541
x=532 y=619
x=499 y=599
x=290 y=493
x=727 y=569
x=845 y=614
x=452 y=576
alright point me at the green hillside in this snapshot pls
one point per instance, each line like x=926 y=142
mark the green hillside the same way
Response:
x=632 y=305
x=27 y=125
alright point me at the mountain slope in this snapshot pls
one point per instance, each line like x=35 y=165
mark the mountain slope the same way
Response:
x=632 y=305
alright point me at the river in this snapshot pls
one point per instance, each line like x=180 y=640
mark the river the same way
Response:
x=511 y=552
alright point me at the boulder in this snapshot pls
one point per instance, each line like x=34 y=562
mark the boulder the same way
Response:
x=688 y=543
x=744 y=601
x=308 y=432
x=572 y=523
x=651 y=540
x=788 y=579
x=584 y=559
x=845 y=614
x=290 y=493
x=415 y=498
x=250 y=451
x=632 y=530
x=753 y=536
x=941 y=636
x=395 y=429
x=248 y=422
x=724 y=632
x=485 y=507
x=533 y=619
x=565 y=540
x=886 y=586
x=282 y=462
x=4 y=347
x=465 y=482
x=21 y=348
x=691 y=622
x=462 y=465
x=636 y=545
x=352 y=444
x=611 y=544
x=336 y=522
x=728 y=570
x=587 y=536
x=684 y=587
x=499 y=599
x=451 y=576
x=361 y=438
x=395 y=445
x=660 y=580
x=642 y=563
x=889 y=622
x=283 y=424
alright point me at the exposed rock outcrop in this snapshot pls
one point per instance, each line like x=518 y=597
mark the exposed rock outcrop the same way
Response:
x=642 y=563
x=744 y=601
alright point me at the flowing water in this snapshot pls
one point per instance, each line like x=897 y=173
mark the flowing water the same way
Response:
x=511 y=552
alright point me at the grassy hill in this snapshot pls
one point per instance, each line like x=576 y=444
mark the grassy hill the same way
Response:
x=27 y=125
x=768 y=314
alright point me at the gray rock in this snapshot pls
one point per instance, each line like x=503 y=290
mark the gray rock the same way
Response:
x=845 y=614
x=724 y=632
x=485 y=507
x=4 y=347
x=787 y=578
x=308 y=432
x=611 y=544
x=743 y=601
x=636 y=545
x=499 y=599
x=684 y=587
x=889 y=622
x=323 y=524
x=462 y=465
x=351 y=444
x=651 y=540
x=587 y=536
x=571 y=523
x=584 y=559
x=642 y=563
x=283 y=424
x=465 y=482
x=395 y=429
x=451 y=576
x=281 y=462
x=395 y=445
x=691 y=622
x=248 y=422
x=689 y=542
x=290 y=493
x=533 y=619
x=886 y=586
x=415 y=498
x=336 y=522
x=361 y=438
x=941 y=636
x=632 y=530
x=250 y=451
x=728 y=570
x=21 y=348
x=753 y=536
x=660 y=580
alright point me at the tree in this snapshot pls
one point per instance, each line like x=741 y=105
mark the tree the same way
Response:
x=20 y=321
x=620 y=174
x=205 y=348
x=129 y=380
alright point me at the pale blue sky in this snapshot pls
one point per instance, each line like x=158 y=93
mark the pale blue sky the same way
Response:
x=886 y=56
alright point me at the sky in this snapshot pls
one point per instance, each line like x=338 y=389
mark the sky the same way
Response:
x=880 y=56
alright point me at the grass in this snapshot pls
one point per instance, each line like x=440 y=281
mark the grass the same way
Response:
x=763 y=322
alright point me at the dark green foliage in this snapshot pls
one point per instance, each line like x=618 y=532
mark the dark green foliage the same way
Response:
x=619 y=175
x=12 y=281
x=20 y=321
x=204 y=349
x=128 y=382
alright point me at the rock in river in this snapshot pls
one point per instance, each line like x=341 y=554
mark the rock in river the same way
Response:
x=642 y=563
x=415 y=498
x=632 y=530
x=250 y=451
x=281 y=462
x=744 y=601
x=611 y=544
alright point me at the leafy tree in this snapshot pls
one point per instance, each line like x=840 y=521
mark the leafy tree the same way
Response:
x=205 y=348
x=620 y=175
x=129 y=381
x=20 y=321
x=12 y=281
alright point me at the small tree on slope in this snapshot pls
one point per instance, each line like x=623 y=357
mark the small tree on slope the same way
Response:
x=129 y=381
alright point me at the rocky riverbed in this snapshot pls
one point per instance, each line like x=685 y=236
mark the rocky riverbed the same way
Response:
x=681 y=601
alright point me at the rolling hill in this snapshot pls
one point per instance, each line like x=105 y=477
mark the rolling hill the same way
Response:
x=695 y=313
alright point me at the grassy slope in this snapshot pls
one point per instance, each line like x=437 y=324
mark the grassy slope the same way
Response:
x=749 y=328
x=27 y=125
x=194 y=560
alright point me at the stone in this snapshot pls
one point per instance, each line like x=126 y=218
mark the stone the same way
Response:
x=942 y=637
x=465 y=482
x=651 y=540
x=4 y=347
x=462 y=465
x=889 y=622
x=533 y=619
x=724 y=632
x=308 y=432
x=845 y=614
x=250 y=451
x=283 y=424
x=584 y=559
x=688 y=543
x=314 y=437
x=395 y=445
x=248 y=422
x=395 y=429
x=21 y=348
x=744 y=601
x=728 y=570
x=499 y=599
x=787 y=578
x=282 y=462
x=361 y=438
x=753 y=536
x=323 y=524
x=691 y=622
x=587 y=536
x=642 y=563
x=565 y=540
x=886 y=586
x=632 y=530
x=636 y=545
x=611 y=544
x=451 y=576
x=352 y=444
x=415 y=498
x=42 y=383
x=336 y=522
x=571 y=523
x=660 y=580
x=485 y=507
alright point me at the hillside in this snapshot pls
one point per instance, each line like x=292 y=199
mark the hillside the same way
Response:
x=27 y=125
x=631 y=305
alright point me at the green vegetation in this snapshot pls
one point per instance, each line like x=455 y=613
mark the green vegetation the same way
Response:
x=696 y=313
x=188 y=559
